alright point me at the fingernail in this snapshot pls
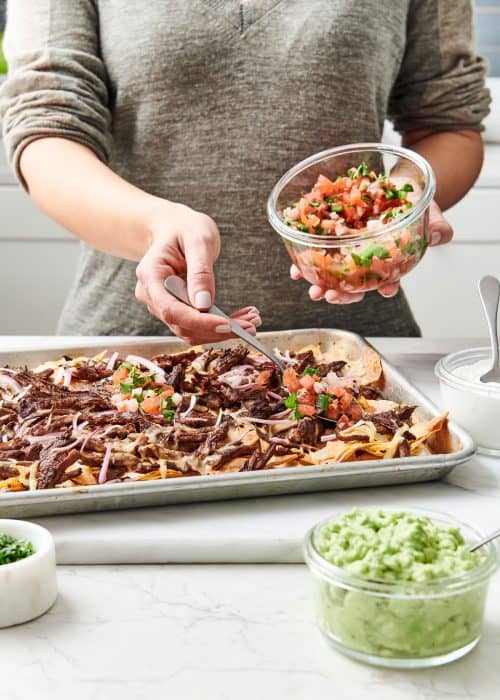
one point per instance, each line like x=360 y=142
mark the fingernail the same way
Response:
x=203 y=300
x=223 y=329
x=256 y=320
x=436 y=237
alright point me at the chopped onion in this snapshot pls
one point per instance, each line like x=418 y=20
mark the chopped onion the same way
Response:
x=151 y=366
x=192 y=404
x=10 y=383
x=67 y=376
x=320 y=387
x=335 y=380
x=176 y=398
x=105 y=464
x=112 y=361
x=328 y=438
x=285 y=356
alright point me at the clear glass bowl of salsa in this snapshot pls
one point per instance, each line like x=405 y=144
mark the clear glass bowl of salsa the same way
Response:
x=354 y=217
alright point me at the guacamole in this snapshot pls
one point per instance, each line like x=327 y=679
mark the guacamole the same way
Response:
x=416 y=617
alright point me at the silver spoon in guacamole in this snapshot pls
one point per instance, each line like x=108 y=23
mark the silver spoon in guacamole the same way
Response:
x=488 y=538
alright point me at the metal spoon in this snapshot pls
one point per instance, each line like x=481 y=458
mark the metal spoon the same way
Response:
x=487 y=539
x=177 y=287
x=489 y=291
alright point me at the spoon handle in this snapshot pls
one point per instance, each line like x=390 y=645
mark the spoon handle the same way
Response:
x=489 y=290
x=489 y=538
x=177 y=287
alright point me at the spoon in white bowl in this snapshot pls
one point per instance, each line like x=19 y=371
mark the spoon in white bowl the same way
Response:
x=487 y=539
x=489 y=291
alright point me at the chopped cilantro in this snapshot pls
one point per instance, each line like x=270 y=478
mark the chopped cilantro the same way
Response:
x=409 y=248
x=12 y=549
x=126 y=388
x=360 y=171
x=314 y=203
x=337 y=208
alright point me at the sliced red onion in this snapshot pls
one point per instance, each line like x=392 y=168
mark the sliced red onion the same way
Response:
x=105 y=464
x=33 y=439
x=219 y=418
x=320 y=387
x=328 y=438
x=283 y=414
x=58 y=375
x=236 y=440
x=335 y=380
x=67 y=376
x=10 y=383
x=89 y=437
x=23 y=393
x=282 y=441
x=192 y=404
x=151 y=366
x=75 y=420
x=268 y=421
x=112 y=361
x=273 y=395
x=65 y=448
x=106 y=413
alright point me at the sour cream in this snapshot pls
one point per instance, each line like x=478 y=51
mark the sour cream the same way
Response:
x=472 y=403
x=472 y=373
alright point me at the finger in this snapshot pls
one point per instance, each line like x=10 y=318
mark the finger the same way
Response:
x=333 y=296
x=175 y=313
x=295 y=273
x=315 y=292
x=200 y=253
x=389 y=290
x=247 y=311
x=440 y=231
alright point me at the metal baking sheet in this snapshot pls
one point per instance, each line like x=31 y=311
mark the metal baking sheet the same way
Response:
x=245 y=484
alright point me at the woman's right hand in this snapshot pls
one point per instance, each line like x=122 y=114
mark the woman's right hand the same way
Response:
x=186 y=242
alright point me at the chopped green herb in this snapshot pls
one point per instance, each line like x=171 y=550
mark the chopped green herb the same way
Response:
x=292 y=402
x=407 y=188
x=318 y=229
x=314 y=203
x=360 y=171
x=409 y=248
x=167 y=408
x=371 y=251
x=126 y=388
x=337 y=208
x=323 y=401
x=311 y=371
x=12 y=549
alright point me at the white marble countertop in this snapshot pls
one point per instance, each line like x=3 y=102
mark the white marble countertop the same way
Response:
x=236 y=630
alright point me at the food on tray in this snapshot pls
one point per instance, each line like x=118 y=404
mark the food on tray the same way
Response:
x=418 y=616
x=12 y=549
x=83 y=421
x=351 y=213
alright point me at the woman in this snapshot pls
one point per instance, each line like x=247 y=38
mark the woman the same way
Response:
x=146 y=132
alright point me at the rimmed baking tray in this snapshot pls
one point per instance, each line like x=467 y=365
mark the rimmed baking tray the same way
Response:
x=289 y=480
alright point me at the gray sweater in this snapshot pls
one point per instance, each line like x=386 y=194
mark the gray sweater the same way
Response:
x=208 y=102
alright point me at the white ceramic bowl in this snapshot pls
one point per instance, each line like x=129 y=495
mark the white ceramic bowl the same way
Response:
x=475 y=406
x=28 y=587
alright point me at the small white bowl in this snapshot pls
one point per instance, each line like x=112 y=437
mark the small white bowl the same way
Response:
x=474 y=405
x=28 y=587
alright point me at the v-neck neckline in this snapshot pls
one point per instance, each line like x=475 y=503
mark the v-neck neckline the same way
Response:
x=242 y=14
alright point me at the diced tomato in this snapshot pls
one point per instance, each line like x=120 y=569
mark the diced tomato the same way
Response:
x=120 y=375
x=307 y=381
x=291 y=380
x=333 y=411
x=345 y=402
x=167 y=390
x=306 y=409
x=356 y=411
x=151 y=405
x=264 y=377
x=325 y=186
x=343 y=422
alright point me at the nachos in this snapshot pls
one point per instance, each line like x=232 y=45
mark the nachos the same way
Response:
x=83 y=421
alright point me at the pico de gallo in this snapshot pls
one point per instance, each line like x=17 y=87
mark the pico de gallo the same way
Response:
x=357 y=204
x=135 y=391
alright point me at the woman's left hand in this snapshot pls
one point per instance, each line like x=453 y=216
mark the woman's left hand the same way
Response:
x=440 y=232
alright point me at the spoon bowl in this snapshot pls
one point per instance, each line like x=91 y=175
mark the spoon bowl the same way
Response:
x=489 y=291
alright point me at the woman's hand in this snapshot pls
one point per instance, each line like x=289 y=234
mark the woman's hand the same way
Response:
x=440 y=233
x=186 y=242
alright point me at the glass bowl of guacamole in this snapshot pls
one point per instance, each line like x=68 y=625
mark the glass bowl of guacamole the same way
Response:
x=399 y=588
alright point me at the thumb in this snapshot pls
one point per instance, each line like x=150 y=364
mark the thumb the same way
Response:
x=440 y=230
x=200 y=256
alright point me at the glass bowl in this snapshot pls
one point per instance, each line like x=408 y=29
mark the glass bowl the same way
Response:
x=401 y=624
x=350 y=263
x=475 y=406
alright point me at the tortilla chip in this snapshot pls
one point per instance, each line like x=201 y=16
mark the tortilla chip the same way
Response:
x=366 y=369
